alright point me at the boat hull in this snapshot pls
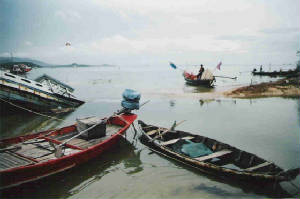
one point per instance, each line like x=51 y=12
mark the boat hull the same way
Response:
x=213 y=169
x=32 y=98
x=191 y=79
x=206 y=83
x=16 y=176
x=276 y=73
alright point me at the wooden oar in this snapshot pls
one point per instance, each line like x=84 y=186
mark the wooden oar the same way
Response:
x=166 y=131
x=226 y=77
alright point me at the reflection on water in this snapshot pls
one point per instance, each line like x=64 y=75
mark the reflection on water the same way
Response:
x=197 y=89
x=172 y=103
x=268 y=127
x=133 y=164
x=14 y=122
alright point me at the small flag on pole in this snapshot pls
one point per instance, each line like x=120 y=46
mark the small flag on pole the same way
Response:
x=219 y=66
x=173 y=65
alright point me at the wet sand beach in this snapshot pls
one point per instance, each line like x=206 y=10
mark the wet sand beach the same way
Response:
x=286 y=87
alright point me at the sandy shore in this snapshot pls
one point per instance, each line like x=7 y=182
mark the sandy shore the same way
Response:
x=287 y=87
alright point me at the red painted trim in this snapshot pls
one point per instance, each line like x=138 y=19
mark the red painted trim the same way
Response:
x=19 y=175
x=59 y=142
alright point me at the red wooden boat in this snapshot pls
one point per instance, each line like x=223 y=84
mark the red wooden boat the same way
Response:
x=192 y=79
x=31 y=157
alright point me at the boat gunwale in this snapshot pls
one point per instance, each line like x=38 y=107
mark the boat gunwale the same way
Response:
x=35 y=89
x=131 y=119
x=209 y=165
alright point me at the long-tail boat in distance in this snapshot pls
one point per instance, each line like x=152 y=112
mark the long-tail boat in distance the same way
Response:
x=280 y=73
x=212 y=156
x=43 y=94
x=207 y=79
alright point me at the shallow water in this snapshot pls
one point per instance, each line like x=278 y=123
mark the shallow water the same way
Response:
x=268 y=127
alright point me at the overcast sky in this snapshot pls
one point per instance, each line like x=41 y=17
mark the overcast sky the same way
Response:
x=151 y=31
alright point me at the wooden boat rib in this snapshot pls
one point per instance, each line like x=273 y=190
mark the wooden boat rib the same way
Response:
x=31 y=157
x=224 y=161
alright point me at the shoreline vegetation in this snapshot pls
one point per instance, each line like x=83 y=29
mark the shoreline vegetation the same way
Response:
x=7 y=63
x=286 y=87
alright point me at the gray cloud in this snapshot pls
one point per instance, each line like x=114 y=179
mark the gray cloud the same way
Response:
x=147 y=30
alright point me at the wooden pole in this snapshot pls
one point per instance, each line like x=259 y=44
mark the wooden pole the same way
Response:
x=226 y=77
x=166 y=131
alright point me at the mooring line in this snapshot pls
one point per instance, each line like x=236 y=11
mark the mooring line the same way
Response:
x=30 y=110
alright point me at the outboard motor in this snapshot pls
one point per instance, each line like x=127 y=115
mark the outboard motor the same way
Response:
x=131 y=100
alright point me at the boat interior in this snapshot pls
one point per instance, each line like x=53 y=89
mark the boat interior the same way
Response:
x=43 y=147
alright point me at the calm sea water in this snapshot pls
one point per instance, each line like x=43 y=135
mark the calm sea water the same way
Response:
x=268 y=127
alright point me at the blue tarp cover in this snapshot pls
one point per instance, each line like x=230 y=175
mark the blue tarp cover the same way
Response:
x=131 y=95
x=191 y=149
x=130 y=104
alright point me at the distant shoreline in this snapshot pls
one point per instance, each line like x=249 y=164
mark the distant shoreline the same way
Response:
x=78 y=65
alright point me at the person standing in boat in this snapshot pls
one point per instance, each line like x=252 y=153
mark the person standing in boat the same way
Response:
x=200 y=72
x=260 y=69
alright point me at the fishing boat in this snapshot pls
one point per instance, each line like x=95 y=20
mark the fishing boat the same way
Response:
x=212 y=156
x=207 y=79
x=20 y=69
x=31 y=157
x=276 y=73
x=43 y=94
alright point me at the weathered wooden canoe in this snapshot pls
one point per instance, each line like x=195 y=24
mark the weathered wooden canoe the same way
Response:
x=31 y=157
x=223 y=160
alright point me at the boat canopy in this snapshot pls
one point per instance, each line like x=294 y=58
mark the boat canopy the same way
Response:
x=53 y=81
x=207 y=74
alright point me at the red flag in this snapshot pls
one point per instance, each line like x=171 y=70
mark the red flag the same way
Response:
x=219 y=65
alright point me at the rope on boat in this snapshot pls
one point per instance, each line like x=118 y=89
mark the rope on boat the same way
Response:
x=31 y=111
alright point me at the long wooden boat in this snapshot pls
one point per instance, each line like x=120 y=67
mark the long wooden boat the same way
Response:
x=275 y=73
x=212 y=157
x=192 y=80
x=31 y=157
x=43 y=95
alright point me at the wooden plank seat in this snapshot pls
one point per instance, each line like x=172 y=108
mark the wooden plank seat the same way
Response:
x=153 y=132
x=265 y=164
x=214 y=155
x=175 y=140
